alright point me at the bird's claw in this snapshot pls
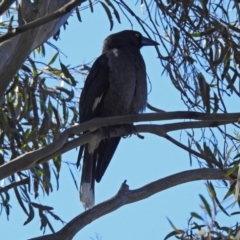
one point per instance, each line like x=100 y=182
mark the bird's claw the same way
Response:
x=106 y=131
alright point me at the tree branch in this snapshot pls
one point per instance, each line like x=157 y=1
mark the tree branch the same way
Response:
x=43 y=20
x=207 y=158
x=15 y=184
x=14 y=51
x=126 y=196
x=4 y=5
x=43 y=154
x=159 y=130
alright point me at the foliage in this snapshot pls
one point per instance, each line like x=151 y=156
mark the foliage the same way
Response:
x=199 y=54
x=35 y=111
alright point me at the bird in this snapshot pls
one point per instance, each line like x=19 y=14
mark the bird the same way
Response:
x=116 y=85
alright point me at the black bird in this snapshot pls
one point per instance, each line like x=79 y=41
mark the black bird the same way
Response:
x=116 y=85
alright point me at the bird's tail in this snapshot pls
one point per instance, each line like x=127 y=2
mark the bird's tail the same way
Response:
x=97 y=157
x=106 y=149
x=87 y=180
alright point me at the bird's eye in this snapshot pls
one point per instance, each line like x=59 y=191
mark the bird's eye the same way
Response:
x=137 y=35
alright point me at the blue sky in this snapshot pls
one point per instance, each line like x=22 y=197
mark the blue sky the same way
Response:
x=137 y=161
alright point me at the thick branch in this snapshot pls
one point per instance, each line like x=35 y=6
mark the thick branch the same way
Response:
x=126 y=196
x=4 y=5
x=39 y=22
x=159 y=130
x=14 y=51
x=30 y=159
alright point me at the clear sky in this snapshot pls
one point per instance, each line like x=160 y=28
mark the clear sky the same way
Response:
x=137 y=161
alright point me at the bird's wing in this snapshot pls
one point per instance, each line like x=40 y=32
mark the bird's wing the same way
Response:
x=91 y=106
x=95 y=86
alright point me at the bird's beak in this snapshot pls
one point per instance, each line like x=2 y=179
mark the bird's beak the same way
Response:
x=148 y=42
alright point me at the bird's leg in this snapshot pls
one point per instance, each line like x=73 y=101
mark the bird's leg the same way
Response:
x=139 y=135
x=132 y=129
x=106 y=131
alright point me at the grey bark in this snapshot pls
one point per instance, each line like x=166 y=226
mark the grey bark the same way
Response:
x=14 y=51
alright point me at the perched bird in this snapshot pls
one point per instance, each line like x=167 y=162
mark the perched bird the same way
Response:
x=116 y=85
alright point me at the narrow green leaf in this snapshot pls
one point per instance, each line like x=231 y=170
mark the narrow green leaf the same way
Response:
x=235 y=213
x=200 y=34
x=34 y=68
x=229 y=152
x=10 y=22
x=176 y=36
x=36 y=186
x=57 y=117
x=115 y=12
x=232 y=170
x=56 y=217
x=90 y=5
x=53 y=58
x=190 y=155
x=7 y=210
x=41 y=207
x=108 y=12
x=174 y=233
x=205 y=91
x=20 y=200
x=45 y=124
x=44 y=221
x=225 y=73
x=197 y=226
x=57 y=163
x=216 y=105
x=172 y=225
x=208 y=153
x=26 y=69
x=46 y=177
x=78 y=14
x=74 y=180
x=30 y=215
x=6 y=199
x=65 y=112
x=206 y=205
x=57 y=178
x=211 y=190
x=230 y=191
x=67 y=74
x=221 y=207
x=50 y=226
x=195 y=215
x=237 y=156
x=199 y=147
x=69 y=93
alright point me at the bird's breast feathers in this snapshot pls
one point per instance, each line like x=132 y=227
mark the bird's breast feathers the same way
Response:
x=127 y=80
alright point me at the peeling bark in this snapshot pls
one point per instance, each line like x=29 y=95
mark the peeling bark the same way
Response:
x=14 y=51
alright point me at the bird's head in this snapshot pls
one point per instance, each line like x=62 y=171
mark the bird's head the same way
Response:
x=127 y=38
